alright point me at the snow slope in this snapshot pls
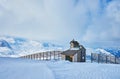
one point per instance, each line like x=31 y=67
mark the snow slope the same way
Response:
x=23 y=69
x=28 y=69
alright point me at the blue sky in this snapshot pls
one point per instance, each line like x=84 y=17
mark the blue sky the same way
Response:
x=94 y=23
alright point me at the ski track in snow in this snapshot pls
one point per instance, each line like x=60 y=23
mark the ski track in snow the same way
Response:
x=67 y=70
x=30 y=69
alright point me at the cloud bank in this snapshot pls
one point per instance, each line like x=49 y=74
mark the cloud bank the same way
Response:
x=92 y=22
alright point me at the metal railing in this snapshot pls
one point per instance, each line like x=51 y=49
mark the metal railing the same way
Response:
x=103 y=58
x=49 y=55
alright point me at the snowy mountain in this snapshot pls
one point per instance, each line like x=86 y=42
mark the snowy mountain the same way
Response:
x=14 y=46
x=5 y=48
x=98 y=51
x=109 y=51
x=4 y=43
x=114 y=51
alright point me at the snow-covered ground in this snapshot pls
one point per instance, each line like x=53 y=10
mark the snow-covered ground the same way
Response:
x=11 y=68
x=24 y=69
x=67 y=70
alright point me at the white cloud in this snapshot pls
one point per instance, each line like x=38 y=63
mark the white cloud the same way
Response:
x=89 y=21
x=105 y=27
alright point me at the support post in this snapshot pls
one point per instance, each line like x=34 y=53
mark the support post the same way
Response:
x=106 y=58
x=115 y=60
x=43 y=55
x=98 y=58
x=50 y=55
x=91 y=57
x=54 y=55
x=39 y=56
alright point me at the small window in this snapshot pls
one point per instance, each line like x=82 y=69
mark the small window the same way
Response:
x=83 y=57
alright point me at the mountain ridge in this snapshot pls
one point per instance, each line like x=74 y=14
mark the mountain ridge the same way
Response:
x=20 y=46
x=15 y=47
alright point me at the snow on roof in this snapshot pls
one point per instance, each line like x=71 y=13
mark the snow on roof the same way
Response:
x=74 y=48
x=70 y=52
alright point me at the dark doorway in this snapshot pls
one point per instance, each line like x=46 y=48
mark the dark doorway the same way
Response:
x=68 y=58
